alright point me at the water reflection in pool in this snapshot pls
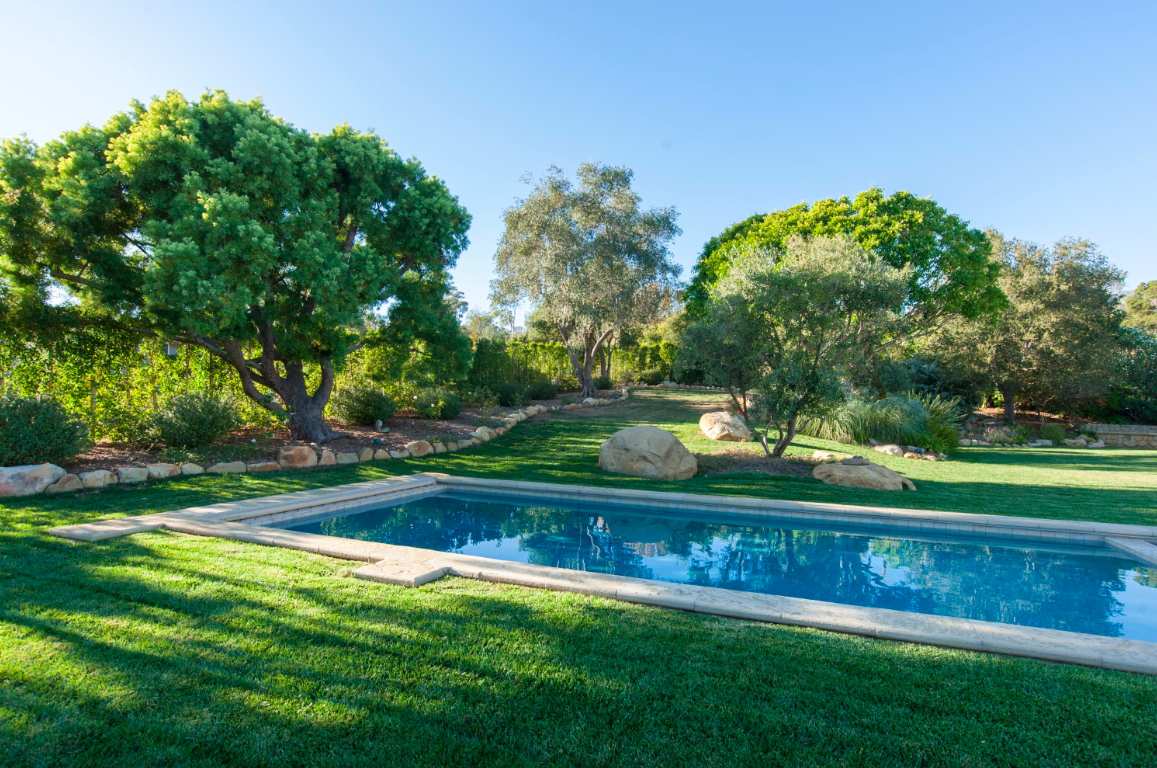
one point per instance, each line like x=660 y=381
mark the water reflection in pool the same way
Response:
x=994 y=581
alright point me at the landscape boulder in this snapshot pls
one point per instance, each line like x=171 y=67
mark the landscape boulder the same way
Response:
x=647 y=452
x=1076 y=442
x=159 y=471
x=98 y=478
x=192 y=469
x=399 y=454
x=728 y=427
x=891 y=449
x=439 y=447
x=347 y=458
x=227 y=468
x=366 y=454
x=132 y=474
x=328 y=459
x=380 y=454
x=263 y=466
x=28 y=479
x=65 y=484
x=866 y=475
x=419 y=448
x=297 y=457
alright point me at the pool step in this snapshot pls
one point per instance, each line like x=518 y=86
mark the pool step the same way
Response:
x=1137 y=548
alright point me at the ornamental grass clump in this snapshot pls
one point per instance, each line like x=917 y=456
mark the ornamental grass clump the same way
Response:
x=926 y=421
x=37 y=430
x=359 y=405
x=195 y=420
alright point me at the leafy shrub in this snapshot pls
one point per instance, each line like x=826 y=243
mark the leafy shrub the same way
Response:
x=437 y=403
x=37 y=430
x=651 y=377
x=124 y=423
x=603 y=382
x=567 y=400
x=929 y=422
x=195 y=419
x=512 y=393
x=543 y=390
x=1054 y=432
x=1023 y=433
x=359 y=405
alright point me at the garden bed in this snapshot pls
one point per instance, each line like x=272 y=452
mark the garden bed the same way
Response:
x=254 y=444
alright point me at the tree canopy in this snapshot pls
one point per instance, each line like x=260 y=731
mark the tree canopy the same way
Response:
x=1056 y=341
x=789 y=325
x=216 y=224
x=587 y=259
x=951 y=271
x=1141 y=307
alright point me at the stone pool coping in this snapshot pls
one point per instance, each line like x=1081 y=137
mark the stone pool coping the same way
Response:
x=412 y=567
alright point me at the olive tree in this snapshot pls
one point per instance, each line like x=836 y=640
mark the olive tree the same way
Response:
x=213 y=223
x=1056 y=341
x=789 y=324
x=587 y=259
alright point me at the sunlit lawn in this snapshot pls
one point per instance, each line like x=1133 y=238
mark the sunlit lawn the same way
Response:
x=165 y=649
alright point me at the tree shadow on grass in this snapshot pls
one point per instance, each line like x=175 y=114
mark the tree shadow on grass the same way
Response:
x=163 y=649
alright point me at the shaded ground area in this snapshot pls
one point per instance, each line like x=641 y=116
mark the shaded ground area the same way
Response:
x=257 y=444
x=165 y=649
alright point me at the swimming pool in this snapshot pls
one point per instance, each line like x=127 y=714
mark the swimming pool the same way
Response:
x=1090 y=590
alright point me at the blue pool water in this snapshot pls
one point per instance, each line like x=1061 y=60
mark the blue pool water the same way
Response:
x=1073 y=589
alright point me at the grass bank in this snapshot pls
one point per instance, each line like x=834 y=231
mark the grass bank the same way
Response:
x=164 y=649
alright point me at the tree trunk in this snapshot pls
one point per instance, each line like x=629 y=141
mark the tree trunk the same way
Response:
x=307 y=424
x=785 y=439
x=1008 y=392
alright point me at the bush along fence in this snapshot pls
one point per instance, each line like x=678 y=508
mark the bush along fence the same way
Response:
x=526 y=362
x=51 y=479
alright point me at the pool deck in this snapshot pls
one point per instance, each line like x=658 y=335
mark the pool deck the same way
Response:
x=411 y=567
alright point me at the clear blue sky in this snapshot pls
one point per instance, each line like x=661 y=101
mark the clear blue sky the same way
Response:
x=1036 y=119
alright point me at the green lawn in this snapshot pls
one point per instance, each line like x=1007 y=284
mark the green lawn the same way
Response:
x=165 y=649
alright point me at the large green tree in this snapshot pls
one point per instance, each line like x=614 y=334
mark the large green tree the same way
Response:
x=1055 y=343
x=1141 y=307
x=790 y=325
x=951 y=270
x=216 y=224
x=587 y=259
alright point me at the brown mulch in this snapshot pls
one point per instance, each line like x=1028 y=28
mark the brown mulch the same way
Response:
x=257 y=444
x=743 y=460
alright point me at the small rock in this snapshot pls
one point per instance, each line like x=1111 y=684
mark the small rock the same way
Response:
x=158 y=471
x=1097 y=444
x=399 y=454
x=347 y=458
x=439 y=447
x=98 y=478
x=500 y=431
x=65 y=484
x=366 y=454
x=419 y=448
x=380 y=454
x=452 y=446
x=192 y=469
x=227 y=468
x=910 y=455
x=327 y=458
x=132 y=474
x=264 y=466
x=855 y=461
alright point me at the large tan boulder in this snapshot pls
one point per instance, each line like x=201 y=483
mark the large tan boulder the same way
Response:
x=647 y=452
x=866 y=475
x=28 y=479
x=721 y=425
x=297 y=457
x=129 y=475
x=419 y=448
x=97 y=478
x=160 y=471
x=227 y=468
x=65 y=485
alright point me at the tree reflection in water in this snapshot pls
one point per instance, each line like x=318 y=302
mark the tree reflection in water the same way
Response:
x=1072 y=592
